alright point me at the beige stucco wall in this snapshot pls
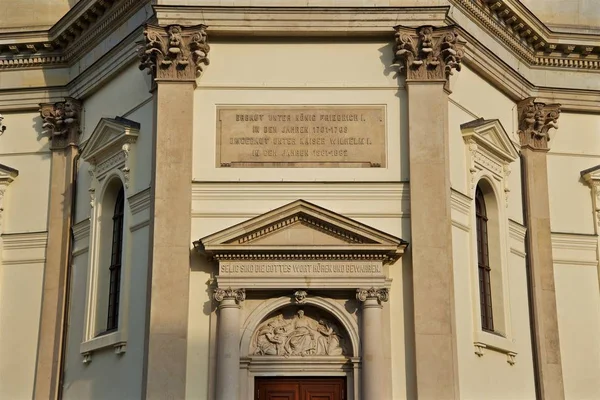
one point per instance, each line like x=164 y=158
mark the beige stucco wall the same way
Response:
x=24 y=224
x=575 y=146
x=562 y=15
x=488 y=376
x=32 y=14
x=314 y=73
x=110 y=375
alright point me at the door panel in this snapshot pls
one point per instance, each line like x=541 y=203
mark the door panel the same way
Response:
x=300 y=388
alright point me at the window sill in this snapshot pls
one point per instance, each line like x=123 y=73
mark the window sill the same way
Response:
x=495 y=342
x=116 y=340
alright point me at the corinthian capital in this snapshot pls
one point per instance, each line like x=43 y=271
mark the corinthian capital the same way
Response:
x=427 y=53
x=535 y=120
x=381 y=295
x=174 y=52
x=238 y=295
x=62 y=121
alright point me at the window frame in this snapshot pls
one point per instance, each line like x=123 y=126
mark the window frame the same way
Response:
x=483 y=263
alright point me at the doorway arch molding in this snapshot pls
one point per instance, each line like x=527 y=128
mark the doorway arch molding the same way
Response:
x=330 y=306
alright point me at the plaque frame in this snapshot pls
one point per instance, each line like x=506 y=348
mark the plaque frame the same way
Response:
x=349 y=154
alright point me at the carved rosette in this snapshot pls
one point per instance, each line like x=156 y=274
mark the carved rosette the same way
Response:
x=238 y=295
x=535 y=120
x=2 y=126
x=174 y=52
x=428 y=53
x=381 y=295
x=61 y=122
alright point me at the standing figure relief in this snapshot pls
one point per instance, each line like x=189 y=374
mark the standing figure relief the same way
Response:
x=300 y=335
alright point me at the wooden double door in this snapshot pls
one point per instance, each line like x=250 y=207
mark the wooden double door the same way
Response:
x=300 y=388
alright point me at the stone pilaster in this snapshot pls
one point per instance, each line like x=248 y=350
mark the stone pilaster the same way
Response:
x=174 y=56
x=375 y=381
x=228 y=343
x=62 y=125
x=428 y=56
x=535 y=120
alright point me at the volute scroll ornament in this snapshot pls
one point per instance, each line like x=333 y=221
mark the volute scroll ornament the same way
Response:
x=428 y=53
x=381 y=295
x=535 y=120
x=174 y=52
x=238 y=295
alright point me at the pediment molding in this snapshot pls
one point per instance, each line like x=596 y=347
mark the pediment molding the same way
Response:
x=109 y=146
x=301 y=231
x=489 y=149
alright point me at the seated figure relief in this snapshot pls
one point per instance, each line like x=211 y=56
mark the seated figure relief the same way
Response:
x=300 y=335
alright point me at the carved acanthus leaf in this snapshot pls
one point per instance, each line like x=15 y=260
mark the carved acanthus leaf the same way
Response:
x=238 y=295
x=428 y=53
x=381 y=295
x=174 y=52
x=61 y=120
x=535 y=120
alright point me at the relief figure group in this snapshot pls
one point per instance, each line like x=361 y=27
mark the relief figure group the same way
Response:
x=300 y=336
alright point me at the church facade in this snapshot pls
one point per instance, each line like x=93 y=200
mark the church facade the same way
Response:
x=243 y=200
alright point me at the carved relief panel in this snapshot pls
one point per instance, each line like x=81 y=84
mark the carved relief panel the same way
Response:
x=303 y=332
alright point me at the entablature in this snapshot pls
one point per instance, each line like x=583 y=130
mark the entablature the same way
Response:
x=301 y=245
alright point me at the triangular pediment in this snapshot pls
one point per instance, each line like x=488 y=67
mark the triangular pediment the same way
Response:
x=7 y=175
x=491 y=136
x=109 y=137
x=301 y=227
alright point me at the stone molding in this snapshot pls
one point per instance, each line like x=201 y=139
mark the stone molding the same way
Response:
x=7 y=176
x=61 y=122
x=355 y=241
x=238 y=295
x=87 y=23
x=428 y=53
x=337 y=311
x=591 y=176
x=381 y=295
x=535 y=120
x=174 y=52
x=530 y=39
x=109 y=148
x=490 y=150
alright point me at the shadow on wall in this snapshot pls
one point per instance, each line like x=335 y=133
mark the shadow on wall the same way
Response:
x=201 y=263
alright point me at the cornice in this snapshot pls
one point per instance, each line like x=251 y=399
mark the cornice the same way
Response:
x=515 y=26
x=77 y=32
x=300 y=21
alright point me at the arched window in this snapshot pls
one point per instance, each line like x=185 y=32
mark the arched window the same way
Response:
x=115 y=263
x=483 y=262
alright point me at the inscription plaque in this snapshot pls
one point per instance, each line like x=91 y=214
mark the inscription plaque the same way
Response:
x=301 y=136
x=301 y=268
